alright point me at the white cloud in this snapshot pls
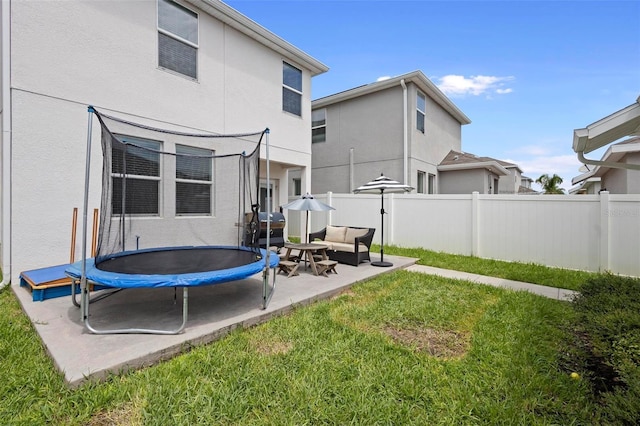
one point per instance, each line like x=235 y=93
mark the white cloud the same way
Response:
x=565 y=166
x=459 y=85
x=383 y=78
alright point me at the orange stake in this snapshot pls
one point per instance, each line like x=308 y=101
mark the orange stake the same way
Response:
x=74 y=227
x=94 y=235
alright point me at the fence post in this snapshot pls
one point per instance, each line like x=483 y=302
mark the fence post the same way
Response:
x=330 y=202
x=604 y=231
x=390 y=220
x=475 y=237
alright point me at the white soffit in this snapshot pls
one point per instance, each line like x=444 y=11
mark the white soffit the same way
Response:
x=622 y=123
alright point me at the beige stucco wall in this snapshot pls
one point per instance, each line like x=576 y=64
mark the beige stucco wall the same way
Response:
x=67 y=55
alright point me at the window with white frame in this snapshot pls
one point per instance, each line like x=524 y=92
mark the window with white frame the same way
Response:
x=297 y=186
x=319 y=125
x=177 y=38
x=136 y=163
x=421 y=106
x=422 y=177
x=291 y=89
x=194 y=180
x=431 y=187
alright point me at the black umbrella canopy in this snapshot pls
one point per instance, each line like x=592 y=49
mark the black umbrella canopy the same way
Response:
x=381 y=185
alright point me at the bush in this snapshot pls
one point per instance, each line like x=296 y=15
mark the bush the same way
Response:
x=608 y=326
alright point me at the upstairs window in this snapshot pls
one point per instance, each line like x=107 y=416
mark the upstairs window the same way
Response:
x=291 y=89
x=177 y=38
x=194 y=180
x=135 y=170
x=318 y=125
x=421 y=105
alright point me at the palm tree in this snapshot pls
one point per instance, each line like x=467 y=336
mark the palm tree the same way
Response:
x=550 y=184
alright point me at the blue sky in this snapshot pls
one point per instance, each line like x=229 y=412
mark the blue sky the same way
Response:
x=527 y=73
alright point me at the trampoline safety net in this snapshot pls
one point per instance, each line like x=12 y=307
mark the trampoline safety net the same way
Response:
x=165 y=188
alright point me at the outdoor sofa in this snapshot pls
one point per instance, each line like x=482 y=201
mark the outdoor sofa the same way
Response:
x=346 y=244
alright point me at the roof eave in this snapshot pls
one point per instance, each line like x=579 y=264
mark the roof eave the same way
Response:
x=491 y=166
x=417 y=77
x=250 y=28
x=609 y=129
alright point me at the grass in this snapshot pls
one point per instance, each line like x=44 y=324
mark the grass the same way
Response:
x=403 y=348
x=527 y=272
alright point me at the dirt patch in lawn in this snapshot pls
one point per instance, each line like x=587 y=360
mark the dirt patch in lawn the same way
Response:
x=272 y=347
x=437 y=343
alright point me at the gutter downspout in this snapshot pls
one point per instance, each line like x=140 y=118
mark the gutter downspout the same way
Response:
x=6 y=144
x=606 y=163
x=351 y=185
x=405 y=139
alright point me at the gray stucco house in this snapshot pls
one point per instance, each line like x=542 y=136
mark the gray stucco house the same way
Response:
x=615 y=180
x=463 y=173
x=402 y=126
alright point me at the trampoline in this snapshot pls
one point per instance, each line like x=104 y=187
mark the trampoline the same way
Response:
x=178 y=209
x=174 y=267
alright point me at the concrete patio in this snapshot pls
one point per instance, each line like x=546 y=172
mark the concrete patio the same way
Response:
x=213 y=312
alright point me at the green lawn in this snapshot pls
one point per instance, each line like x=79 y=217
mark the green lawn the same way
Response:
x=517 y=271
x=403 y=348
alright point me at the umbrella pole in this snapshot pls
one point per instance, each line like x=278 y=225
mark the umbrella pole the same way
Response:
x=382 y=263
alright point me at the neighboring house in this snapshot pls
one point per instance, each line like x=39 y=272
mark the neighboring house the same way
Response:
x=619 y=168
x=525 y=186
x=588 y=186
x=614 y=180
x=197 y=64
x=464 y=173
x=402 y=127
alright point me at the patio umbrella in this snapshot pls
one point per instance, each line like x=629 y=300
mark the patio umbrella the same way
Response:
x=308 y=203
x=381 y=185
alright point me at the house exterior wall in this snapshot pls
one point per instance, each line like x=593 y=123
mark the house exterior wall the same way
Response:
x=633 y=176
x=510 y=183
x=67 y=55
x=370 y=125
x=465 y=181
x=442 y=134
x=615 y=181
x=373 y=126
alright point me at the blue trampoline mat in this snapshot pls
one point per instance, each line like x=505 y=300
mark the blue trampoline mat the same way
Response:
x=175 y=267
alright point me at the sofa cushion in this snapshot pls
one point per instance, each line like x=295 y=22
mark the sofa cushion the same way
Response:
x=335 y=233
x=353 y=233
x=351 y=248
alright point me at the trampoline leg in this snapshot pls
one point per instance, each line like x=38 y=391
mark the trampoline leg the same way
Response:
x=185 y=314
x=266 y=295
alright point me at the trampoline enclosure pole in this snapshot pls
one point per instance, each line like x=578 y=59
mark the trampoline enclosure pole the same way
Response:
x=266 y=296
x=83 y=279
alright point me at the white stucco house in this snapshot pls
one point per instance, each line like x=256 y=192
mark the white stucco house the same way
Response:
x=402 y=127
x=197 y=64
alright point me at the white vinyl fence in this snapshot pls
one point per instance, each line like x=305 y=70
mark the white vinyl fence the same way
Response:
x=587 y=232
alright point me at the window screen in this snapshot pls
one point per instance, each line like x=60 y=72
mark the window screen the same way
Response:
x=177 y=38
x=291 y=89
x=194 y=178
